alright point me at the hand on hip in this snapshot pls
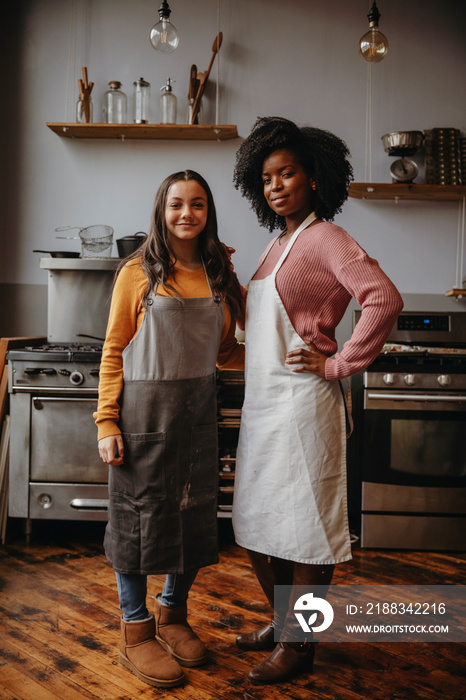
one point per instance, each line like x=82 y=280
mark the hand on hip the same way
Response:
x=310 y=360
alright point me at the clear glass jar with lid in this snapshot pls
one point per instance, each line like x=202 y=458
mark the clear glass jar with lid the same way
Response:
x=141 y=101
x=114 y=104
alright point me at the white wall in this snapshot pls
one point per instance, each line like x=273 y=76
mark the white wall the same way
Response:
x=301 y=63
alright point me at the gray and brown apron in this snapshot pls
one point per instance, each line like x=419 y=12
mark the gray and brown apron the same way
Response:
x=163 y=499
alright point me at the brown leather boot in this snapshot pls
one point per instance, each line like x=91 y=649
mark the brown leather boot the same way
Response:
x=289 y=659
x=176 y=636
x=270 y=572
x=286 y=661
x=143 y=655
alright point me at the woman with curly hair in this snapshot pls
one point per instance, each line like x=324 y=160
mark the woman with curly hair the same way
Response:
x=171 y=322
x=290 y=505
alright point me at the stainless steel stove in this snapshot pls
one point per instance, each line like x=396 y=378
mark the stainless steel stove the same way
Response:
x=410 y=436
x=55 y=469
x=55 y=367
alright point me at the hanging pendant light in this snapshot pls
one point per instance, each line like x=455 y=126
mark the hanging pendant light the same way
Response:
x=163 y=35
x=373 y=46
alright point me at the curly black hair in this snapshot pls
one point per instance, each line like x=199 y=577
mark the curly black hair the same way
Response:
x=323 y=156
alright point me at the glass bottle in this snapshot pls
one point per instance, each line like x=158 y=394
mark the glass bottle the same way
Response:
x=189 y=115
x=167 y=104
x=114 y=104
x=141 y=101
x=84 y=109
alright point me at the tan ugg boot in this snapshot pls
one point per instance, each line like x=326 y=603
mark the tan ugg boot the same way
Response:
x=176 y=636
x=142 y=655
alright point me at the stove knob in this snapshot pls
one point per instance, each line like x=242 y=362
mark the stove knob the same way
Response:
x=410 y=379
x=389 y=378
x=76 y=378
x=45 y=500
x=444 y=379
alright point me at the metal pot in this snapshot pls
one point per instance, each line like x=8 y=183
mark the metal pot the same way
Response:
x=402 y=143
x=60 y=253
x=129 y=244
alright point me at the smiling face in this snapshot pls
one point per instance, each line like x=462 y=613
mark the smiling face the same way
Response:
x=186 y=210
x=288 y=189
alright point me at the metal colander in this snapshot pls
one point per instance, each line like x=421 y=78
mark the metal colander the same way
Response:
x=96 y=241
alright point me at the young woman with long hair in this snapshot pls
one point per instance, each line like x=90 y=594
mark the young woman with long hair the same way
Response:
x=171 y=323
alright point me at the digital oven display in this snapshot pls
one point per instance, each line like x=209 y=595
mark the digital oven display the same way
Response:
x=423 y=322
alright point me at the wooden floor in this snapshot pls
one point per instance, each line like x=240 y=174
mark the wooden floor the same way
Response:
x=59 y=622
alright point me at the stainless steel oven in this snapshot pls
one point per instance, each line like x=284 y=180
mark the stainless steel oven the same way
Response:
x=411 y=437
x=55 y=469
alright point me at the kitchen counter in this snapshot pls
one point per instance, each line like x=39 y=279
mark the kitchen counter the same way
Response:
x=79 y=264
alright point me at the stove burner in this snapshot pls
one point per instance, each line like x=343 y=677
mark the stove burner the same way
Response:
x=58 y=352
x=66 y=347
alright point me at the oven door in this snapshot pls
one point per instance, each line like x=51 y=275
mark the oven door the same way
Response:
x=414 y=438
x=414 y=471
x=63 y=441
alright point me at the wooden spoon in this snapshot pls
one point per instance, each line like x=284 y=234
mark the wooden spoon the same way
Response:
x=203 y=77
x=192 y=78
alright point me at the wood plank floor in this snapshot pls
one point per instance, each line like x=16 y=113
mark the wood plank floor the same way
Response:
x=59 y=621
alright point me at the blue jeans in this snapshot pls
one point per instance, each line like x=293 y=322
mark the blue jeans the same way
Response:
x=132 y=592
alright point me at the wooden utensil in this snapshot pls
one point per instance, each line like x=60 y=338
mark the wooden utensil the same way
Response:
x=192 y=87
x=203 y=77
x=85 y=89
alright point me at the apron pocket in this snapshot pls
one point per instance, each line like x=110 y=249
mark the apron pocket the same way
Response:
x=144 y=462
x=203 y=459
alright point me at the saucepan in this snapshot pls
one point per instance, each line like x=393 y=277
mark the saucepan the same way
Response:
x=128 y=244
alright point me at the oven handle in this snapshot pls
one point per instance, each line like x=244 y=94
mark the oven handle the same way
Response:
x=38 y=401
x=417 y=397
x=71 y=391
x=100 y=504
x=65 y=398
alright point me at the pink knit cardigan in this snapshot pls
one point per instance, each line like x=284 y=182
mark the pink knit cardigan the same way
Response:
x=323 y=270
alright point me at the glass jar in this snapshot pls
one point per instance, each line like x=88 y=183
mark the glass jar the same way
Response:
x=141 y=101
x=189 y=114
x=114 y=104
x=84 y=109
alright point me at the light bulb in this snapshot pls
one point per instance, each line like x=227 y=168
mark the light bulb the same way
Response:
x=373 y=46
x=163 y=35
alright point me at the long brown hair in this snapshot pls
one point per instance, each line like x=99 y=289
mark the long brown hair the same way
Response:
x=158 y=257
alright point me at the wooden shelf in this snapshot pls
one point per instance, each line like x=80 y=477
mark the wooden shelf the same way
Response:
x=383 y=190
x=193 y=132
x=455 y=292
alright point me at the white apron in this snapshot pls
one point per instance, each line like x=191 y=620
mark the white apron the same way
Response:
x=290 y=498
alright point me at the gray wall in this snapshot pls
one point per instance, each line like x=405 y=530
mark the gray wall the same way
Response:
x=300 y=62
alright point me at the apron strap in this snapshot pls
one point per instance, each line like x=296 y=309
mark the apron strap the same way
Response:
x=307 y=221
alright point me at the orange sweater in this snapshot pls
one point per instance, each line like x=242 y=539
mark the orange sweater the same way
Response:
x=125 y=318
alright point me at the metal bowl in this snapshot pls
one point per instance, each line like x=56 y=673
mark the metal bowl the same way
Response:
x=402 y=143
